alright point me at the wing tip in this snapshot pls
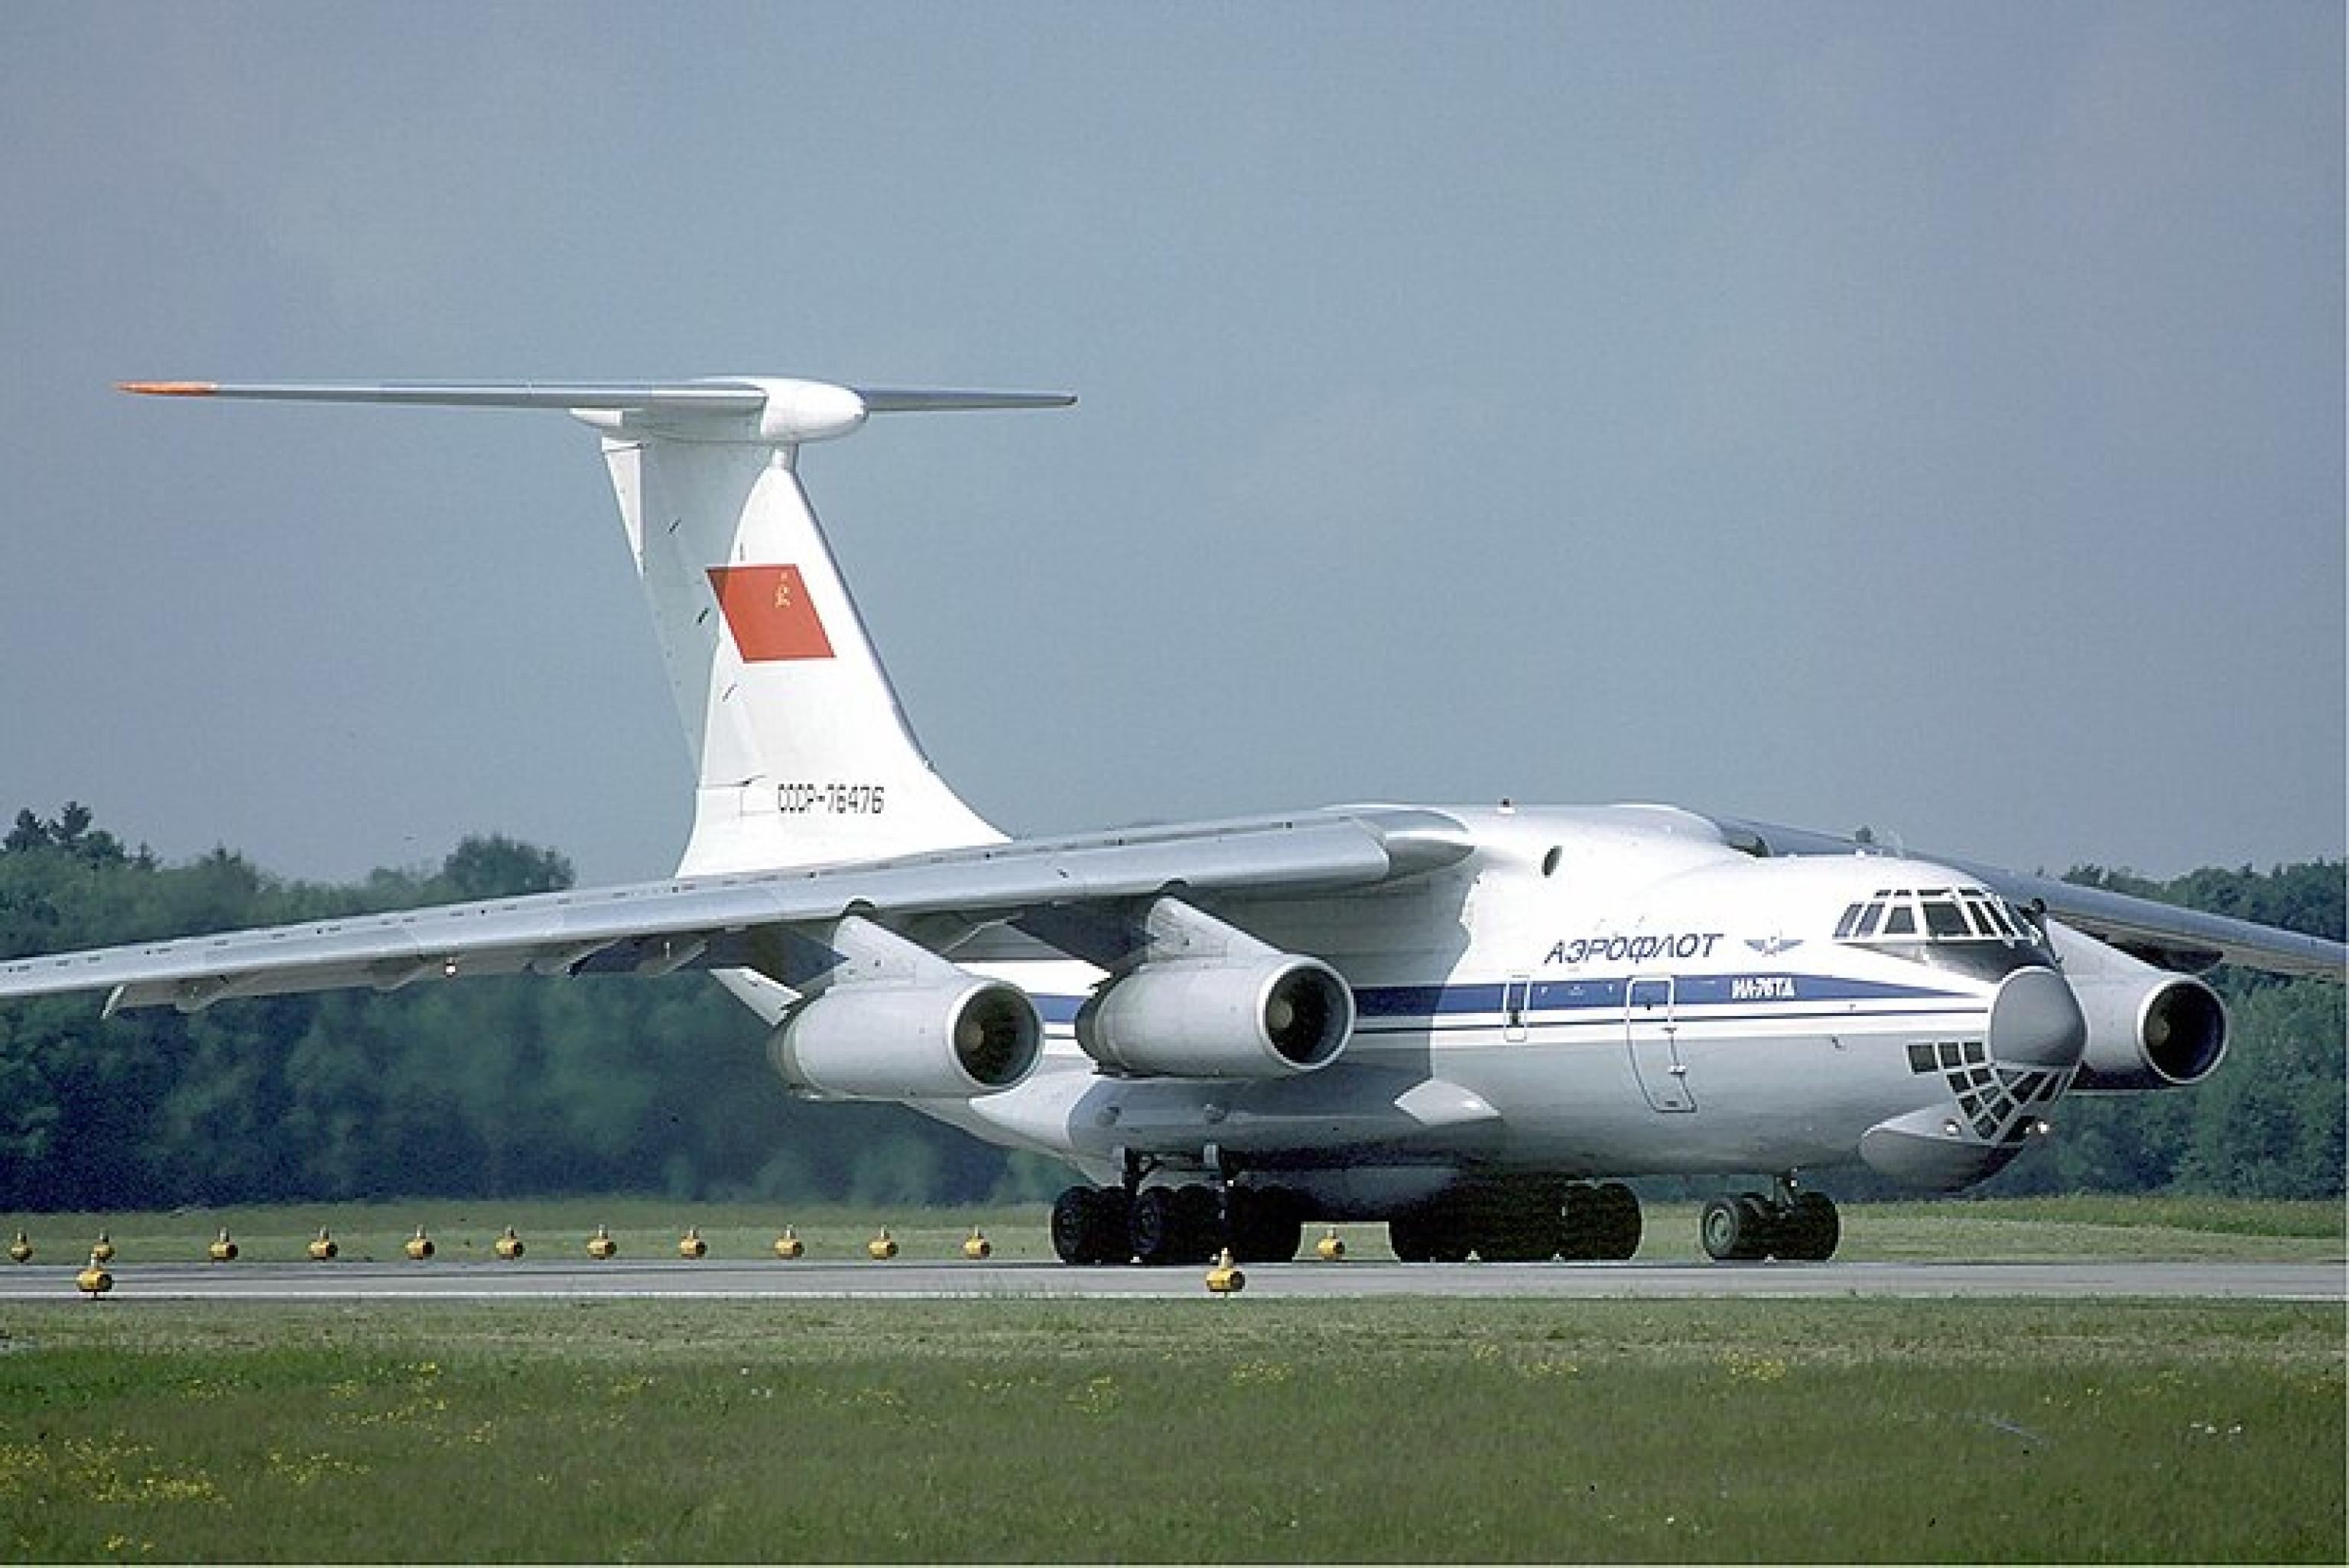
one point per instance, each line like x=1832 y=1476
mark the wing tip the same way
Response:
x=170 y=389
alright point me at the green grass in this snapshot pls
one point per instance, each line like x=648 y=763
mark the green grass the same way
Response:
x=2235 y=1216
x=1194 y=1431
x=2015 y=1230
x=2011 y=1229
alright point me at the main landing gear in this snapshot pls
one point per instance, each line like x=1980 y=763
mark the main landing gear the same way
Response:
x=1185 y=1224
x=1521 y=1221
x=1799 y=1227
x=1503 y=1219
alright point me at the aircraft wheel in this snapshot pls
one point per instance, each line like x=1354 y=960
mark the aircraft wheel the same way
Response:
x=1811 y=1229
x=1451 y=1244
x=1578 y=1223
x=1412 y=1237
x=1264 y=1225
x=1199 y=1223
x=1089 y=1225
x=1765 y=1229
x=1619 y=1222
x=1072 y=1219
x=1438 y=1232
x=1116 y=1225
x=1156 y=1231
x=1518 y=1222
x=1728 y=1232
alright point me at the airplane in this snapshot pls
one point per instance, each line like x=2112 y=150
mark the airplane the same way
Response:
x=1472 y=1023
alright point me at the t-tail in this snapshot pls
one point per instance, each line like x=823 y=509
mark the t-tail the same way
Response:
x=802 y=754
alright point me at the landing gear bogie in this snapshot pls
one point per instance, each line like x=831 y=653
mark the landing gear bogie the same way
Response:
x=1799 y=1228
x=1189 y=1223
x=1812 y=1228
x=1600 y=1224
x=1263 y=1225
x=1521 y=1220
x=1092 y=1225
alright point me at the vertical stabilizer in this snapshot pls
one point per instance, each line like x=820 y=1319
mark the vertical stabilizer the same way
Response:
x=802 y=755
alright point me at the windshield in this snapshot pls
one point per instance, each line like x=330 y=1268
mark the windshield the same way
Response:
x=1971 y=929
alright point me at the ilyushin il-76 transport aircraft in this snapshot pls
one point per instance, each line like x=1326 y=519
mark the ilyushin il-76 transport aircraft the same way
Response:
x=1470 y=1023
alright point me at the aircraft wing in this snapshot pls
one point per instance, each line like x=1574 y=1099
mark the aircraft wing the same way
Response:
x=720 y=922
x=2160 y=933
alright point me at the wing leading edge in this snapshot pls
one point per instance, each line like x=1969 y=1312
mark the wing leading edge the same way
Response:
x=653 y=928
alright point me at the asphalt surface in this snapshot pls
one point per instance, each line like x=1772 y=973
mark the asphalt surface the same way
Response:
x=713 y=1279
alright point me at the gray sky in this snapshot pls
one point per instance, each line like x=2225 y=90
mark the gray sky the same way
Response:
x=1922 y=417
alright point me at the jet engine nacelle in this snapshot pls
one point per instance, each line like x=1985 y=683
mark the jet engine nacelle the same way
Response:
x=2147 y=1027
x=909 y=1042
x=1267 y=1017
x=2164 y=1031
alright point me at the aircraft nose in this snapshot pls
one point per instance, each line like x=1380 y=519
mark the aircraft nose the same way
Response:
x=2035 y=1021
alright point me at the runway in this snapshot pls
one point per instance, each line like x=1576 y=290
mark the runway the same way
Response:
x=716 y=1280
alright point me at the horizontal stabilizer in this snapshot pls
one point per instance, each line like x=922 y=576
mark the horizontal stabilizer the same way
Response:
x=762 y=398
x=677 y=397
x=879 y=400
x=772 y=410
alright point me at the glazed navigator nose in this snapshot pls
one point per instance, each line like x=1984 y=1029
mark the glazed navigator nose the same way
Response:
x=2035 y=1021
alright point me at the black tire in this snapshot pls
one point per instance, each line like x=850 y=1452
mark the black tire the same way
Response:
x=1579 y=1220
x=1199 y=1223
x=1265 y=1226
x=1451 y=1242
x=1412 y=1237
x=1078 y=1226
x=1116 y=1225
x=1154 y=1230
x=1721 y=1227
x=1812 y=1228
x=1517 y=1222
x=1619 y=1222
x=1762 y=1229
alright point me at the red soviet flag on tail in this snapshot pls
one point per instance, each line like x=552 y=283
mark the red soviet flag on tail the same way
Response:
x=768 y=610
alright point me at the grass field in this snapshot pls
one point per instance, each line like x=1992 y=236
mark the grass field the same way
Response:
x=1219 y=1430
x=1249 y=1429
x=2039 y=1229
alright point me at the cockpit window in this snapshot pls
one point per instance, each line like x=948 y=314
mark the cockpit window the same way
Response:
x=1969 y=928
x=1945 y=920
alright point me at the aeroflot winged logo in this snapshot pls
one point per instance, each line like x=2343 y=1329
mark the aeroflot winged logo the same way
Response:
x=770 y=612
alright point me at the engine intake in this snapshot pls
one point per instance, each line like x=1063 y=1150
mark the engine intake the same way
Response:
x=2165 y=1031
x=926 y=1042
x=2148 y=1028
x=1268 y=1016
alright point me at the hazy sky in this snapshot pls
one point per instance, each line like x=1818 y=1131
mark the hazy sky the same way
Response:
x=1925 y=416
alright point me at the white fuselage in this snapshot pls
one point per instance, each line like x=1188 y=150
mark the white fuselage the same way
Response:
x=1594 y=991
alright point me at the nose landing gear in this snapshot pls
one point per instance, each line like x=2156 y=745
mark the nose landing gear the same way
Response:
x=1799 y=1227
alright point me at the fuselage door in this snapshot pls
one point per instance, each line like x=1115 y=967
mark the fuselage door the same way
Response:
x=1516 y=997
x=1654 y=1040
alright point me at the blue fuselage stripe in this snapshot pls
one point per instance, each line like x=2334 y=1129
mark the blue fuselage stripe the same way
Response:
x=1610 y=995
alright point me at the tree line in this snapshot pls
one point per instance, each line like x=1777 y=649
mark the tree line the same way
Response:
x=496 y=1088
x=509 y=1088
